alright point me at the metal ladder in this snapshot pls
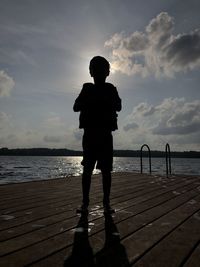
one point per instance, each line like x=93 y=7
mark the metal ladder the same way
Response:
x=167 y=159
x=149 y=154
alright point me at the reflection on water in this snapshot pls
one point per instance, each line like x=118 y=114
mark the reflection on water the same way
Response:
x=20 y=169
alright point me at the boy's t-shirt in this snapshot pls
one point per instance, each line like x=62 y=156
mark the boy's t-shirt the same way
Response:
x=98 y=106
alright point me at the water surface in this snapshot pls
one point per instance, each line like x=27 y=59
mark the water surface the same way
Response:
x=30 y=168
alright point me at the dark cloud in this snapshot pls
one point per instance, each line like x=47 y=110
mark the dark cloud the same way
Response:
x=150 y=111
x=180 y=120
x=78 y=134
x=184 y=50
x=130 y=126
x=178 y=130
x=157 y=50
x=171 y=117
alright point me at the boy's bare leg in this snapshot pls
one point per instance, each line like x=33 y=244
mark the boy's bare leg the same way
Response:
x=106 y=191
x=106 y=175
x=86 y=182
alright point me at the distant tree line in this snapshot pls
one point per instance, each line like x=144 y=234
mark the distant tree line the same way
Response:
x=156 y=154
x=67 y=152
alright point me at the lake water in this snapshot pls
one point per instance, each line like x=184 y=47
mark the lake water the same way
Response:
x=15 y=169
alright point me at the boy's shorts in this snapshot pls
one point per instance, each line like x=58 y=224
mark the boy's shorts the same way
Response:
x=97 y=148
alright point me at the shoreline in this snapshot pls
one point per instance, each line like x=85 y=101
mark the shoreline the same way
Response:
x=99 y=174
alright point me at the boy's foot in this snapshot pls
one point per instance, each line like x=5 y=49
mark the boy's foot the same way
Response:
x=108 y=209
x=82 y=209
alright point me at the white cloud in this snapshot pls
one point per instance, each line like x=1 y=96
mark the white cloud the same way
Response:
x=172 y=116
x=54 y=121
x=156 y=51
x=179 y=118
x=6 y=84
x=174 y=120
x=53 y=133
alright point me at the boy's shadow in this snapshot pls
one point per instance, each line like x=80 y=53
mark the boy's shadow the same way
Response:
x=81 y=251
x=112 y=254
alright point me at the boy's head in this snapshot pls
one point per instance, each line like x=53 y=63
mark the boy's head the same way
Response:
x=99 y=68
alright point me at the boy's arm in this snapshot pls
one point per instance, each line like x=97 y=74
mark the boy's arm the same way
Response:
x=79 y=102
x=117 y=101
x=77 y=105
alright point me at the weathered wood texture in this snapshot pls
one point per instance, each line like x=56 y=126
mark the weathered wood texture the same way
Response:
x=157 y=223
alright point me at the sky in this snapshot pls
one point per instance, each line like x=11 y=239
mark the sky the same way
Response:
x=153 y=47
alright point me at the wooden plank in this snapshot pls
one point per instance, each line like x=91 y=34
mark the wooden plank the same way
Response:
x=147 y=237
x=194 y=258
x=64 y=214
x=143 y=196
x=22 y=207
x=61 y=240
x=47 y=231
x=143 y=203
x=178 y=243
x=96 y=241
x=30 y=212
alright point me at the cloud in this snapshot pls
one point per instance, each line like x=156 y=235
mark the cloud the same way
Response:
x=174 y=116
x=130 y=126
x=187 y=129
x=3 y=117
x=52 y=139
x=181 y=120
x=77 y=133
x=7 y=135
x=156 y=51
x=5 y=122
x=6 y=84
x=54 y=121
x=174 y=120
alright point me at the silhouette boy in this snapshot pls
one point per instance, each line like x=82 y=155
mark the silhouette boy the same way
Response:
x=98 y=104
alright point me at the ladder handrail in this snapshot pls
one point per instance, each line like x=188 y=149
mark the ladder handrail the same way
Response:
x=149 y=153
x=168 y=159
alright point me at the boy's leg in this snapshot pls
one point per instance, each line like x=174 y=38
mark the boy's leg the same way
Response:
x=86 y=182
x=106 y=191
x=88 y=165
x=106 y=175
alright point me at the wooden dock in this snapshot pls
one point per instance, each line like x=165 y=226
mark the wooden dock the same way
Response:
x=156 y=224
